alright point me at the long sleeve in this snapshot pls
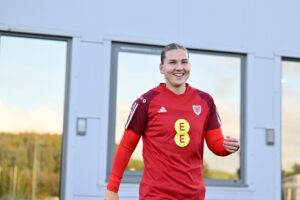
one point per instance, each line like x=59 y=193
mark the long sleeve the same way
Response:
x=127 y=145
x=215 y=139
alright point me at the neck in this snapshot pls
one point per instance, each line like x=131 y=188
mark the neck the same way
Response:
x=177 y=90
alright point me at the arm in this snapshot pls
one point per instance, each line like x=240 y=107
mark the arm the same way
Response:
x=127 y=145
x=218 y=145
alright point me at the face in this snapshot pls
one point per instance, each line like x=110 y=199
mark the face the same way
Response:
x=176 y=68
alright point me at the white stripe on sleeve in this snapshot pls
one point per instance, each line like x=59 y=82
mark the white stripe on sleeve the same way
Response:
x=135 y=105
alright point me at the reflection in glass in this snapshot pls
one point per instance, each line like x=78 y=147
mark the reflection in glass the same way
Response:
x=139 y=72
x=32 y=77
x=220 y=76
x=290 y=130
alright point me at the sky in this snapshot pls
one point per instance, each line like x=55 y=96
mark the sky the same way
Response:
x=32 y=91
x=32 y=84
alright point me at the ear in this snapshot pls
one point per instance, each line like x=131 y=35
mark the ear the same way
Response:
x=161 y=69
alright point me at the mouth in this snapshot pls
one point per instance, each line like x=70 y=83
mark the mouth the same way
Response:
x=179 y=74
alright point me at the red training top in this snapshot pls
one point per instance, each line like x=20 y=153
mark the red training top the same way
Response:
x=173 y=128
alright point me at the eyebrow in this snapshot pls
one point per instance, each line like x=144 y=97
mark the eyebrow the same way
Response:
x=172 y=60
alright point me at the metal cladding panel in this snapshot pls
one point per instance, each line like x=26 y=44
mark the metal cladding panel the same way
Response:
x=260 y=29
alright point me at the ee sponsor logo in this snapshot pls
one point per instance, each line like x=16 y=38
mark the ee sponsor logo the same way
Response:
x=182 y=128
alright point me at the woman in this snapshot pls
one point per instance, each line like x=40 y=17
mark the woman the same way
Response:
x=173 y=120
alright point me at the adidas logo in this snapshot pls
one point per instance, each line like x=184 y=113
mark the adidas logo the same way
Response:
x=162 y=109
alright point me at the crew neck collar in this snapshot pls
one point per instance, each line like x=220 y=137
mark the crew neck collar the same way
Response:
x=165 y=89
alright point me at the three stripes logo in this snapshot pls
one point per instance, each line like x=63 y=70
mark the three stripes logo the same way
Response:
x=162 y=110
x=133 y=109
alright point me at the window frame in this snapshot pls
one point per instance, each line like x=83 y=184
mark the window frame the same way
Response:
x=65 y=137
x=283 y=59
x=135 y=176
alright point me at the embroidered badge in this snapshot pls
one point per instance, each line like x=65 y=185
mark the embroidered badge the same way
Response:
x=197 y=109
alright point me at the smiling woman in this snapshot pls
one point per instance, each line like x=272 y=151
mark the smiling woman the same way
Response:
x=32 y=78
x=173 y=119
x=134 y=64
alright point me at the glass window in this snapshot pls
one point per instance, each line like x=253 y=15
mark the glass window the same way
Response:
x=32 y=84
x=132 y=81
x=220 y=76
x=137 y=69
x=290 y=129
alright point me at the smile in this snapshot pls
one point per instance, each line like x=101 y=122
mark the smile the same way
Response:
x=179 y=74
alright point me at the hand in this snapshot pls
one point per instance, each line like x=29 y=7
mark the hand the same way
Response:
x=231 y=144
x=110 y=195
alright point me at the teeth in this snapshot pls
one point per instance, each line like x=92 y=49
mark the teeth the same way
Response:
x=178 y=75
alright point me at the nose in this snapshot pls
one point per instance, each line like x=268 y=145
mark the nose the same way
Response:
x=179 y=66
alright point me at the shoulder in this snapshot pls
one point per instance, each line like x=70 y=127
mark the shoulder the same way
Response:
x=203 y=95
x=147 y=97
x=206 y=97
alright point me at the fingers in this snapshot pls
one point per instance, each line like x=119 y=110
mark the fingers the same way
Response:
x=234 y=144
x=231 y=149
x=231 y=139
x=231 y=144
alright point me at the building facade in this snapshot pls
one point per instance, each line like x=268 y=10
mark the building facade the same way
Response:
x=255 y=36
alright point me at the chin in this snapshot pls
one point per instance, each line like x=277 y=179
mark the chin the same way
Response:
x=178 y=84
